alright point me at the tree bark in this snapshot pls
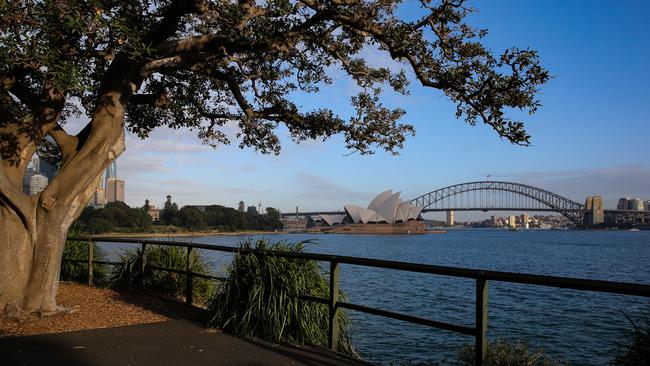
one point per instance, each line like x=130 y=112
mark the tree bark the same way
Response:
x=33 y=229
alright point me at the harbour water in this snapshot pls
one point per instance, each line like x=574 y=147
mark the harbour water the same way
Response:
x=581 y=327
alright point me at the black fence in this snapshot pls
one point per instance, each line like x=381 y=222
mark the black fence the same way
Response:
x=482 y=277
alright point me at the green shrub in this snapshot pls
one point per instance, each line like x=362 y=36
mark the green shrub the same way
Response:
x=259 y=298
x=78 y=271
x=502 y=353
x=129 y=275
x=636 y=350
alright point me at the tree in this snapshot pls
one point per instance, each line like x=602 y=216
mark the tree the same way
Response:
x=147 y=205
x=169 y=214
x=272 y=213
x=137 y=65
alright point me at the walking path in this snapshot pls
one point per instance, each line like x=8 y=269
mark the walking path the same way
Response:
x=173 y=342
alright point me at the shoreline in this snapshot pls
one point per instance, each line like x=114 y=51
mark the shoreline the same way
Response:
x=184 y=234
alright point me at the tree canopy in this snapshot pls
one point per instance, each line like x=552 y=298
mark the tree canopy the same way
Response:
x=202 y=64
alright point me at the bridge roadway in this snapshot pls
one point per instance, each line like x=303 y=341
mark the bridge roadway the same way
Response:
x=532 y=209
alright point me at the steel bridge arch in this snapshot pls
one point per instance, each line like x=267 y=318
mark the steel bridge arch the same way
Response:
x=572 y=210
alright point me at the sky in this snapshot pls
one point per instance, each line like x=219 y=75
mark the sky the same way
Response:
x=590 y=137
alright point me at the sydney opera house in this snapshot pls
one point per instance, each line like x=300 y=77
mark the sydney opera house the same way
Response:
x=385 y=214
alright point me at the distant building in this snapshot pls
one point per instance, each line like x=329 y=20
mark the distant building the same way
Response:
x=252 y=210
x=512 y=221
x=646 y=205
x=525 y=220
x=154 y=212
x=98 y=199
x=635 y=204
x=450 y=218
x=27 y=178
x=38 y=166
x=47 y=169
x=37 y=184
x=114 y=190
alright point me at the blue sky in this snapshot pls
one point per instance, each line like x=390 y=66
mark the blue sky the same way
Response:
x=591 y=135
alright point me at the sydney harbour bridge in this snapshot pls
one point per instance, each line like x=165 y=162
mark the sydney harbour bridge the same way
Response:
x=509 y=196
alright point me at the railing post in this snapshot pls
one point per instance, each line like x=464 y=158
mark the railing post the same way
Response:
x=143 y=262
x=481 y=344
x=188 y=276
x=90 y=262
x=333 y=331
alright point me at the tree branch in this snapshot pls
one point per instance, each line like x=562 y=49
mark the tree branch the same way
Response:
x=67 y=144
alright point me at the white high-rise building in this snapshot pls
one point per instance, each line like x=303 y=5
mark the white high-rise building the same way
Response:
x=114 y=190
x=37 y=184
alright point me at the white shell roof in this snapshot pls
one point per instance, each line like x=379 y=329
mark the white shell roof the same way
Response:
x=377 y=201
x=385 y=207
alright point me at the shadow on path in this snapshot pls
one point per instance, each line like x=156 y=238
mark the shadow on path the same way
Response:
x=175 y=342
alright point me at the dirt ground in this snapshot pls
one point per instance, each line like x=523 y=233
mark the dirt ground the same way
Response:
x=94 y=308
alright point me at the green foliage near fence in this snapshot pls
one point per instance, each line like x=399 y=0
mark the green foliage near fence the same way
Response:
x=259 y=298
x=635 y=351
x=78 y=271
x=503 y=353
x=128 y=274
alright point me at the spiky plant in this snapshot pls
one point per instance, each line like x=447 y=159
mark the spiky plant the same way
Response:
x=78 y=271
x=260 y=298
x=500 y=352
x=129 y=274
x=635 y=351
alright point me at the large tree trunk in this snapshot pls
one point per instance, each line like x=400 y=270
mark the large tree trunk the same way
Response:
x=33 y=229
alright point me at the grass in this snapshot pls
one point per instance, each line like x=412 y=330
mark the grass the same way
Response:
x=503 y=353
x=128 y=274
x=77 y=271
x=635 y=351
x=259 y=298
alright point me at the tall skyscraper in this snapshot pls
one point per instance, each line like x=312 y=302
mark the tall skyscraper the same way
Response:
x=114 y=190
x=37 y=184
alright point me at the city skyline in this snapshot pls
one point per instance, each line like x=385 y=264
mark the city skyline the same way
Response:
x=587 y=138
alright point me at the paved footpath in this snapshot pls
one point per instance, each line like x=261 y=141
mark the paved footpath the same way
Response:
x=174 y=342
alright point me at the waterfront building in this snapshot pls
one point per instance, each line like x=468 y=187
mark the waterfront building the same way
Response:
x=512 y=221
x=525 y=220
x=37 y=184
x=622 y=203
x=114 y=190
x=385 y=214
x=646 y=205
x=386 y=208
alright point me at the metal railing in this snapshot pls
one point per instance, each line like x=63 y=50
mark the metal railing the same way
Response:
x=479 y=331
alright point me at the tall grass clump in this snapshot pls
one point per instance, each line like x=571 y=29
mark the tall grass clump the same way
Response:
x=78 y=271
x=259 y=298
x=503 y=353
x=128 y=274
x=636 y=349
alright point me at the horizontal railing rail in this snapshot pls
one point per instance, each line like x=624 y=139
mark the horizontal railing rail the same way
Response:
x=479 y=331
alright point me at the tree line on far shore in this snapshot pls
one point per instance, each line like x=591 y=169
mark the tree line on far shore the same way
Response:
x=118 y=216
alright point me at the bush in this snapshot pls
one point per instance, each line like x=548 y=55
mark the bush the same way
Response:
x=636 y=351
x=259 y=298
x=502 y=353
x=128 y=274
x=77 y=271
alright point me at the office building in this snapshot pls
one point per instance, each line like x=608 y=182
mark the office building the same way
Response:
x=114 y=190
x=37 y=184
